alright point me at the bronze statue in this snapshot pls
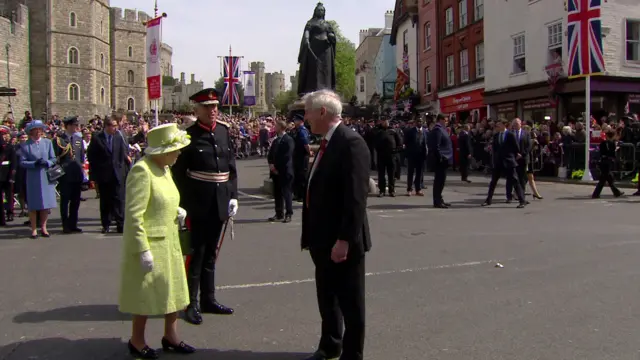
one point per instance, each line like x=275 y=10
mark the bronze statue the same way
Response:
x=317 y=54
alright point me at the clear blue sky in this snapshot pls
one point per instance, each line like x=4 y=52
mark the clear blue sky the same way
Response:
x=201 y=30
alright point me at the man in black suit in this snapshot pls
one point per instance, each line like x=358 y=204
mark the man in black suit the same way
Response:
x=505 y=156
x=335 y=228
x=70 y=152
x=524 y=144
x=280 y=160
x=466 y=152
x=415 y=140
x=440 y=157
x=108 y=163
x=8 y=168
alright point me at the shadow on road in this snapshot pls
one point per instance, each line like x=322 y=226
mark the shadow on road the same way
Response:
x=115 y=348
x=73 y=313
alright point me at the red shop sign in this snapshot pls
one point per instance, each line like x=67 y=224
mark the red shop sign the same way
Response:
x=508 y=107
x=537 y=104
x=462 y=102
x=634 y=98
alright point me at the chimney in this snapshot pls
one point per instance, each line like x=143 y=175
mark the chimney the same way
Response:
x=182 y=75
x=388 y=20
x=363 y=35
x=193 y=78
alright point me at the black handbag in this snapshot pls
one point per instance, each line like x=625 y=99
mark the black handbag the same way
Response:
x=54 y=173
x=185 y=241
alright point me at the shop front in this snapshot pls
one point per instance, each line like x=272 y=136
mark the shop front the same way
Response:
x=634 y=103
x=464 y=107
x=506 y=111
x=538 y=110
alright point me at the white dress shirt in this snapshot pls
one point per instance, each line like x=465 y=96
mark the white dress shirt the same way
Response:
x=327 y=137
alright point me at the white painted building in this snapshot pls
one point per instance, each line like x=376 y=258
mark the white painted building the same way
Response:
x=523 y=37
x=406 y=43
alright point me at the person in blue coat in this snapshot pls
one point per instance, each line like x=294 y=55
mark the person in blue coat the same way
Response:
x=36 y=156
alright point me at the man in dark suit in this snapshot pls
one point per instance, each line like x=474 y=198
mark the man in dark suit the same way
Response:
x=466 y=152
x=70 y=152
x=440 y=157
x=505 y=156
x=280 y=160
x=8 y=168
x=301 y=154
x=335 y=228
x=524 y=144
x=415 y=140
x=108 y=155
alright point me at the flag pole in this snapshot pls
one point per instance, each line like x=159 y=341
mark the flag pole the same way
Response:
x=587 y=116
x=230 y=64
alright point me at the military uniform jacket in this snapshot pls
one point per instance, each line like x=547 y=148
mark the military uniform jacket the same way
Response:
x=70 y=153
x=9 y=161
x=209 y=151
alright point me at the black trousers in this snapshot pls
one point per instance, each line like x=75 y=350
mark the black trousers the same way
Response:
x=439 y=179
x=372 y=153
x=300 y=172
x=340 y=289
x=205 y=234
x=6 y=190
x=464 y=167
x=512 y=182
x=69 y=203
x=605 y=178
x=282 y=193
x=399 y=160
x=521 y=173
x=386 y=165
x=415 y=172
x=111 y=203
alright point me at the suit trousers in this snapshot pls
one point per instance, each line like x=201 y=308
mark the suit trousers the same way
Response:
x=512 y=182
x=439 y=179
x=282 y=192
x=605 y=178
x=464 y=167
x=111 y=203
x=341 y=300
x=386 y=165
x=415 y=172
x=6 y=188
x=521 y=173
x=70 y=192
x=300 y=173
x=205 y=235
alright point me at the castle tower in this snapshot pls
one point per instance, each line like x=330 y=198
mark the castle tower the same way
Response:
x=128 y=63
x=70 y=72
x=258 y=68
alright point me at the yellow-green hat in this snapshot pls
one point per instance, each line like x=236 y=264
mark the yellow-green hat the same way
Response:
x=165 y=139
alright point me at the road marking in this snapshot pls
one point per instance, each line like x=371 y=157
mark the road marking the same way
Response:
x=377 y=273
x=253 y=196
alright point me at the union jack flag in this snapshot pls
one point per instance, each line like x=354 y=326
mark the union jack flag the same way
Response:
x=585 y=38
x=231 y=74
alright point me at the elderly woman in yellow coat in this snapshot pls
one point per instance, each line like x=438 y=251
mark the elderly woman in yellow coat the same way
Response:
x=153 y=280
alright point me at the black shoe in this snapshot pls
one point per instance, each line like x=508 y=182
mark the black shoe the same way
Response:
x=381 y=194
x=287 y=219
x=321 y=355
x=276 y=218
x=192 y=315
x=145 y=353
x=216 y=308
x=105 y=230
x=76 y=230
x=10 y=218
x=619 y=194
x=120 y=229
x=509 y=201
x=486 y=203
x=67 y=231
x=440 y=206
x=446 y=204
x=392 y=194
x=521 y=205
x=46 y=235
x=181 y=348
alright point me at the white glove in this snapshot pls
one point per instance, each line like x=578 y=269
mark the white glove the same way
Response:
x=233 y=207
x=182 y=216
x=146 y=261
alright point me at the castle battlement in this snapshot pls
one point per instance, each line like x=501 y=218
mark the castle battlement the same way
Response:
x=18 y=14
x=167 y=48
x=129 y=17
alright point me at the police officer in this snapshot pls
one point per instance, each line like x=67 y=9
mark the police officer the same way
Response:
x=301 y=155
x=7 y=174
x=387 y=142
x=205 y=174
x=70 y=152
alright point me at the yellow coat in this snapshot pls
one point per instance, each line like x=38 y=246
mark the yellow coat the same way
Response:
x=150 y=223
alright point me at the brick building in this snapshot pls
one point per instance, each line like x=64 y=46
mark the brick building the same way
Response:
x=14 y=30
x=460 y=55
x=428 y=55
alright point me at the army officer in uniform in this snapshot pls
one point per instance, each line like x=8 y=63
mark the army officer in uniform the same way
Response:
x=69 y=150
x=205 y=174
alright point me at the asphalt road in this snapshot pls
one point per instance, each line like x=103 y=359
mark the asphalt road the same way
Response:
x=568 y=289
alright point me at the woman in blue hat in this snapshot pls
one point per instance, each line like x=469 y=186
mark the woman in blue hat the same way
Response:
x=36 y=157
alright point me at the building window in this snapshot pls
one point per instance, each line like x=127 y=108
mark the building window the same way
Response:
x=73 y=21
x=130 y=76
x=361 y=83
x=555 y=43
x=633 y=40
x=450 y=71
x=101 y=61
x=462 y=11
x=73 y=56
x=101 y=25
x=480 y=60
x=448 y=21
x=131 y=104
x=427 y=81
x=101 y=95
x=74 y=92
x=479 y=9
x=519 y=62
x=464 y=65
x=427 y=36
x=130 y=51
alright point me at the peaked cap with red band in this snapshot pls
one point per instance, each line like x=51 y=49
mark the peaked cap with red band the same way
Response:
x=205 y=97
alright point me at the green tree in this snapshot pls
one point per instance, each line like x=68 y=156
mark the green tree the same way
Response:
x=284 y=99
x=168 y=80
x=345 y=64
x=219 y=86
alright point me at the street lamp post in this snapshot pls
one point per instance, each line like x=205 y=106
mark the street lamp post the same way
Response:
x=7 y=48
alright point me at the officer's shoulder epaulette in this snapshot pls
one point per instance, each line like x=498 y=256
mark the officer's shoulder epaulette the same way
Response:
x=223 y=123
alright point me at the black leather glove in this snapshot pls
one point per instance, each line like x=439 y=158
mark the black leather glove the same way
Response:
x=41 y=163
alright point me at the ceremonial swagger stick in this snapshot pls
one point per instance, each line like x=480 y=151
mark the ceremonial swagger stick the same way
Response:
x=221 y=240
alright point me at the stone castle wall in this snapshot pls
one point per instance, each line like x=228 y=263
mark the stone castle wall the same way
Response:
x=14 y=32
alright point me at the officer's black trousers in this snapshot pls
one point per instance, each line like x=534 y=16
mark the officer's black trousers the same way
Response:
x=7 y=194
x=386 y=165
x=439 y=179
x=300 y=169
x=282 y=192
x=111 y=203
x=415 y=172
x=205 y=234
x=605 y=178
x=69 y=203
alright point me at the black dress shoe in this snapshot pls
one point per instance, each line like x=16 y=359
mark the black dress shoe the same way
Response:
x=521 y=205
x=120 y=229
x=192 y=315
x=486 y=203
x=440 y=206
x=276 y=218
x=76 y=230
x=46 y=235
x=446 y=204
x=66 y=231
x=105 y=230
x=181 y=348
x=287 y=219
x=216 y=308
x=392 y=194
x=321 y=355
x=145 y=353
x=381 y=195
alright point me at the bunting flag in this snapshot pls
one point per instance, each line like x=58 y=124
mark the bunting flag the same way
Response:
x=249 y=88
x=154 y=72
x=231 y=74
x=401 y=80
x=584 y=29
